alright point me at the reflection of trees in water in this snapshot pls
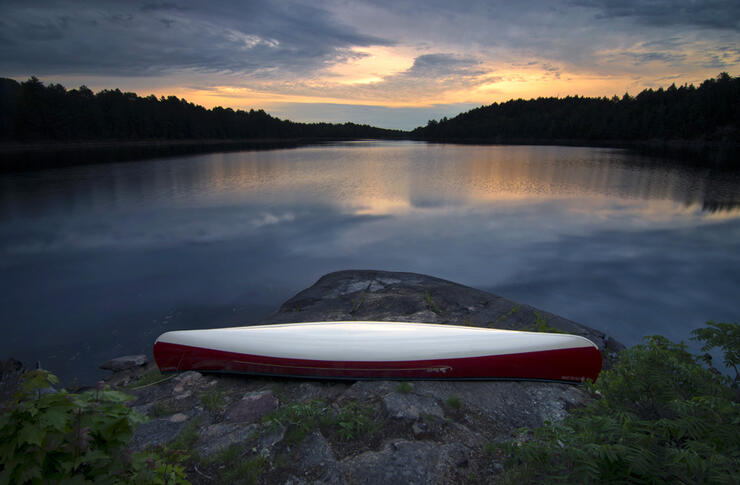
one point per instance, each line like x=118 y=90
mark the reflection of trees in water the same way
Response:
x=562 y=171
x=719 y=206
x=437 y=175
x=715 y=189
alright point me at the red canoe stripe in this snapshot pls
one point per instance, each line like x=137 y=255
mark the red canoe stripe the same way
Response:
x=575 y=364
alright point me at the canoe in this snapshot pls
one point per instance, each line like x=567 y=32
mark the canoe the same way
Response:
x=380 y=350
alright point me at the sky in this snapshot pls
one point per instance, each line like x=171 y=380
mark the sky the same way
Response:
x=389 y=63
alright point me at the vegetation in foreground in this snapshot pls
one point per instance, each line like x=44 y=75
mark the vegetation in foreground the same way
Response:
x=660 y=417
x=49 y=436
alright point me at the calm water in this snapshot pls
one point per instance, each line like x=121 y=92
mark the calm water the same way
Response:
x=98 y=260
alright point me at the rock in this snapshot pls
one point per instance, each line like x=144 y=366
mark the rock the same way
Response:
x=178 y=418
x=183 y=395
x=509 y=404
x=408 y=462
x=10 y=368
x=365 y=390
x=410 y=406
x=217 y=437
x=125 y=362
x=419 y=428
x=316 y=459
x=411 y=297
x=161 y=431
x=11 y=371
x=252 y=407
x=188 y=381
x=614 y=345
x=268 y=438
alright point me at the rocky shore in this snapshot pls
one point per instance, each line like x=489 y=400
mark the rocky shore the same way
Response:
x=250 y=429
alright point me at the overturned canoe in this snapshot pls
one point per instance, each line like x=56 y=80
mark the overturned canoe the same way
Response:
x=380 y=350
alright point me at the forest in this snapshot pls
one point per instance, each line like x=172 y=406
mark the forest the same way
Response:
x=33 y=112
x=710 y=112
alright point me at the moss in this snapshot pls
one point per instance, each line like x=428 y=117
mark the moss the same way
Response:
x=299 y=419
x=454 y=402
x=431 y=304
x=354 y=421
x=503 y=317
x=212 y=400
x=150 y=377
x=162 y=408
x=540 y=324
x=230 y=466
x=188 y=435
x=404 y=387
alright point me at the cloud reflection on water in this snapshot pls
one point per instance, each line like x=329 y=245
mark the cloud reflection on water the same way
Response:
x=618 y=241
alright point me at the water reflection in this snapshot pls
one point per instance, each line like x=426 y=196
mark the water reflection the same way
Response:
x=386 y=178
x=100 y=259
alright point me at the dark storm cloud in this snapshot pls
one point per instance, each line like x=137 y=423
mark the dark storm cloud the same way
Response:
x=644 y=57
x=158 y=6
x=574 y=35
x=443 y=65
x=148 y=38
x=718 y=14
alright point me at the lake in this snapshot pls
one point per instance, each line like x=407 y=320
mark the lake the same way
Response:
x=98 y=260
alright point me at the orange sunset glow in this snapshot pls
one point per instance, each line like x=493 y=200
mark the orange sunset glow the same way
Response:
x=389 y=64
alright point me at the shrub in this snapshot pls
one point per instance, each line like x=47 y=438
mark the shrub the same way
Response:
x=54 y=436
x=354 y=421
x=299 y=419
x=726 y=336
x=231 y=466
x=212 y=400
x=662 y=418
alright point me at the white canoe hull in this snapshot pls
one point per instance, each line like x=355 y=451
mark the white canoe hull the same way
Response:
x=380 y=350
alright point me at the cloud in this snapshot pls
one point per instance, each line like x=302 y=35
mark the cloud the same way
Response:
x=430 y=76
x=428 y=65
x=137 y=39
x=717 y=14
x=666 y=57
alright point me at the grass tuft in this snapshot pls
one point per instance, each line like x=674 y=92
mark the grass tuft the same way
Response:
x=454 y=402
x=404 y=387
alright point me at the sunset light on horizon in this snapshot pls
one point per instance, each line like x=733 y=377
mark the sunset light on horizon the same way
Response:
x=389 y=64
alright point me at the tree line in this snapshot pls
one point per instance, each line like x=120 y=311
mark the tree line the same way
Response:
x=32 y=111
x=710 y=112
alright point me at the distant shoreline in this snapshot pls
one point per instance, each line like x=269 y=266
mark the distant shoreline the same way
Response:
x=46 y=146
x=674 y=145
x=28 y=156
x=18 y=156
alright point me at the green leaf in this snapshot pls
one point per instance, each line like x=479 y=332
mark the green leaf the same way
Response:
x=28 y=473
x=31 y=434
x=54 y=418
x=114 y=396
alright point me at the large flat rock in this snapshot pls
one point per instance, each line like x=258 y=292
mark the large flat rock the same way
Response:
x=411 y=297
